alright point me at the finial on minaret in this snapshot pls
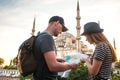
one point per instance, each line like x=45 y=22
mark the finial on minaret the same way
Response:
x=33 y=29
x=78 y=5
x=99 y=22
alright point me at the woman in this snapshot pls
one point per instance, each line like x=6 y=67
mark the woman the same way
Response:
x=100 y=63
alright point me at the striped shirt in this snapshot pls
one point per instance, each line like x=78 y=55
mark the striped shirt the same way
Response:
x=103 y=53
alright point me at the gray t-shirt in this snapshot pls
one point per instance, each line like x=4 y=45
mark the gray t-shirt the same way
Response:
x=103 y=53
x=44 y=42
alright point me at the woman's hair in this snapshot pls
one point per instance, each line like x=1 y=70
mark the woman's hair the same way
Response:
x=100 y=37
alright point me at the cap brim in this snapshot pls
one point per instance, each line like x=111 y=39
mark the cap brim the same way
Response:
x=64 y=29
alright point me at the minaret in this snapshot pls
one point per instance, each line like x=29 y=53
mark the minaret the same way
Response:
x=114 y=44
x=78 y=27
x=99 y=22
x=33 y=29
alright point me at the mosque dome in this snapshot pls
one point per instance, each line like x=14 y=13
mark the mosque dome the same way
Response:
x=65 y=40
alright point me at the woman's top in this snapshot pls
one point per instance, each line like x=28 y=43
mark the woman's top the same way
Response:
x=103 y=53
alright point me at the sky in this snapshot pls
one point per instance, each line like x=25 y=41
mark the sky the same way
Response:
x=16 y=20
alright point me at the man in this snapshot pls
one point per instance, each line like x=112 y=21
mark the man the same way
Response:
x=45 y=53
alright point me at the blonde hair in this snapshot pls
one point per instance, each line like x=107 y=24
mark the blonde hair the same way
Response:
x=100 y=37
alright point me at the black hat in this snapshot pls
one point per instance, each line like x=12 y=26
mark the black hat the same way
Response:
x=61 y=20
x=91 y=27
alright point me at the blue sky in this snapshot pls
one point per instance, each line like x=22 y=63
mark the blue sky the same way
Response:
x=16 y=19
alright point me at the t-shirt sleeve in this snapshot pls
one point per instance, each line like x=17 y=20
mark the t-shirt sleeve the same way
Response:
x=100 y=52
x=47 y=44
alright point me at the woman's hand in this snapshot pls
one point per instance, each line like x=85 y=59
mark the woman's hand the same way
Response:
x=83 y=60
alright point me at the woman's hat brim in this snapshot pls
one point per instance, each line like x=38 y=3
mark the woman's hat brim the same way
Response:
x=100 y=30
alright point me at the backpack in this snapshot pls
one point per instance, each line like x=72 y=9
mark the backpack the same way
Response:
x=25 y=60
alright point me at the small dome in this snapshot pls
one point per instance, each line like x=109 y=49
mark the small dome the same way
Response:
x=65 y=40
x=64 y=36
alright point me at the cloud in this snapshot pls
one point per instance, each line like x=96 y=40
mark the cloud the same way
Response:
x=8 y=3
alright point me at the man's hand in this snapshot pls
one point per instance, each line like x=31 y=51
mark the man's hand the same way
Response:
x=74 y=66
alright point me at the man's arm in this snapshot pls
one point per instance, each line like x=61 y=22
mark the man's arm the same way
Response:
x=94 y=67
x=60 y=60
x=54 y=65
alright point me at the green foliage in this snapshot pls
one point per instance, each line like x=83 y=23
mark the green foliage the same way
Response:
x=80 y=74
x=115 y=77
x=25 y=78
x=117 y=65
x=10 y=67
x=14 y=60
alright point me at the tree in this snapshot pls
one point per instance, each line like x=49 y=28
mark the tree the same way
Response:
x=117 y=65
x=1 y=61
x=12 y=64
x=14 y=60
x=115 y=77
x=80 y=74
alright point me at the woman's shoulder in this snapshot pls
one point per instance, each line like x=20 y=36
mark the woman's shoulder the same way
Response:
x=102 y=44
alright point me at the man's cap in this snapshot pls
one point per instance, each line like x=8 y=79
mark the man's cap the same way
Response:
x=91 y=27
x=61 y=20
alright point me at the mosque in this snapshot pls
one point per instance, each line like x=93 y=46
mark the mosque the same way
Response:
x=66 y=43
